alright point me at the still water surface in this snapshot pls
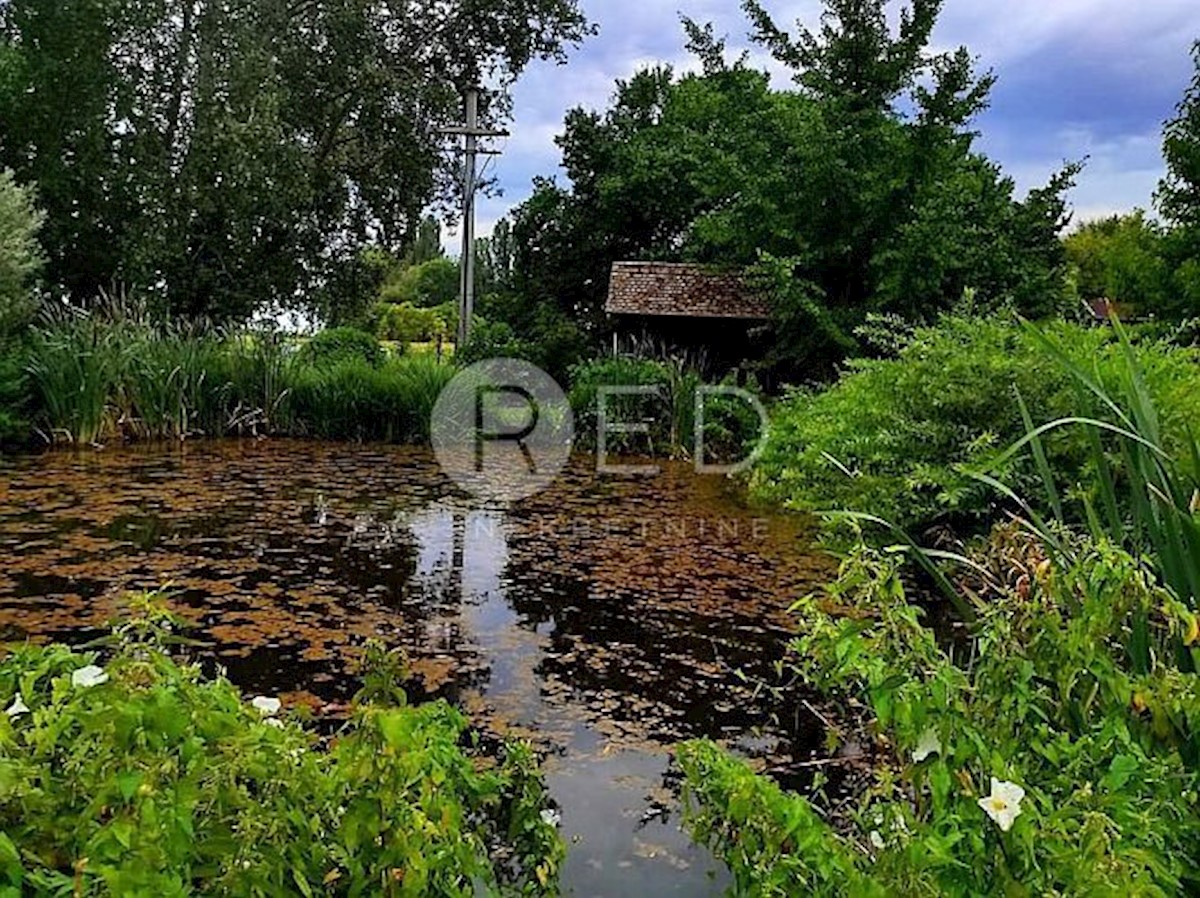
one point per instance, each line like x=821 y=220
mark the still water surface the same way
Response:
x=603 y=619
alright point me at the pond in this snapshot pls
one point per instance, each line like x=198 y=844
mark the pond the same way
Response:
x=603 y=619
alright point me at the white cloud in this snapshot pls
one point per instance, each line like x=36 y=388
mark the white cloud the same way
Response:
x=1120 y=174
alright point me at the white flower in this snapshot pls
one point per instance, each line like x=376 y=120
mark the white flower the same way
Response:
x=551 y=817
x=1004 y=804
x=927 y=745
x=274 y=722
x=87 y=677
x=876 y=840
x=17 y=708
x=268 y=706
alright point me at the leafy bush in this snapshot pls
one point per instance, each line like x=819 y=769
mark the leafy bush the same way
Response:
x=340 y=344
x=492 y=340
x=143 y=778
x=542 y=335
x=20 y=255
x=1042 y=756
x=406 y=323
x=1123 y=259
x=14 y=393
x=902 y=438
x=425 y=285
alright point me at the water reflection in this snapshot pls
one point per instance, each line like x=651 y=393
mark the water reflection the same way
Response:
x=603 y=619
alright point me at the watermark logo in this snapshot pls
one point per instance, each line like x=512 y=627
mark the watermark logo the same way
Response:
x=503 y=430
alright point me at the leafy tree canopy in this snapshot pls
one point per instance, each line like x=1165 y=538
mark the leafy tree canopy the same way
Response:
x=431 y=283
x=1122 y=259
x=857 y=191
x=227 y=156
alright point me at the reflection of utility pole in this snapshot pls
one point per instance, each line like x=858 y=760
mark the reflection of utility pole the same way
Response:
x=472 y=132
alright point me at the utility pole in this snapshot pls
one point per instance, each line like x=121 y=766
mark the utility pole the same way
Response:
x=472 y=133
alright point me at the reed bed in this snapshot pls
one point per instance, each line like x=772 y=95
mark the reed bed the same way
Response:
x=102 y=377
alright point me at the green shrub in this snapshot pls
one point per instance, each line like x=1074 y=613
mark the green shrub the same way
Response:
x=340 y=344
x=1041 y=693
x=543 y=336
x=492 y=340
x=14 y=393
x=901 y=438
x=143 y=778
x=425 y=285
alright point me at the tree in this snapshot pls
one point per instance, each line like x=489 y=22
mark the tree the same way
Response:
x=1179 y=197
x=20 y=254
x=427 y=244
x=494 y=270
x=858 y=191
x=429 y=284
x=226 y=156
x=1179 y=193
x=1123 y=259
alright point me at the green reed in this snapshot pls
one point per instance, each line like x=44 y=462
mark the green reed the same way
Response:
x=111 y=375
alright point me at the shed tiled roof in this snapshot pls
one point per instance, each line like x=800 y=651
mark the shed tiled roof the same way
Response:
x=681 y=290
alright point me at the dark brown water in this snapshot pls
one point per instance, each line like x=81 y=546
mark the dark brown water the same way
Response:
x=603 y=619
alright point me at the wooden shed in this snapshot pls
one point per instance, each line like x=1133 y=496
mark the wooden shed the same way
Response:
x=687 y=306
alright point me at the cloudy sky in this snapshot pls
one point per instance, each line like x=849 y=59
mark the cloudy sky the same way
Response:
x=1094 y=78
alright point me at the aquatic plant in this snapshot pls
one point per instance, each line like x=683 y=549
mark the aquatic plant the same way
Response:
x=666 y=412
x=1146 y=480
x=75 y=363
x=136 y=775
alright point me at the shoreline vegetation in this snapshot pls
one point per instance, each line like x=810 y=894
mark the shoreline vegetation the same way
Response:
x=1062 y=713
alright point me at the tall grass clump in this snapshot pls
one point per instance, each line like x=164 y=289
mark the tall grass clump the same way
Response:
x=1144 y=465
x=253 y=379
x=116 y=374
x=164 y=390
x=75 y=366
x=658 y=396
x=354 y=400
